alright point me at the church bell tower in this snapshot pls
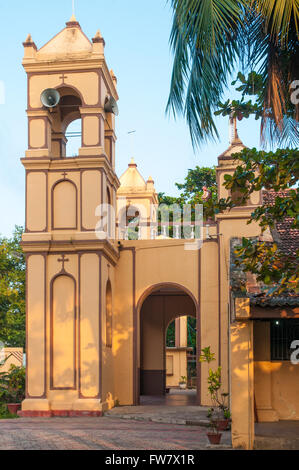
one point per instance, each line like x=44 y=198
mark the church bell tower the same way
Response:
x=70 y=272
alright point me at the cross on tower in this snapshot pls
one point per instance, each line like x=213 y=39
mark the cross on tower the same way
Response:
x=63 y=260
x=63 y=77
x=64 y=174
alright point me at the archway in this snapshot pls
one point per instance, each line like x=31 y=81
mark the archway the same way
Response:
x=158 y=308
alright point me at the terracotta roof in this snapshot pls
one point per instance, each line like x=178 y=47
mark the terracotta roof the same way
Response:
x=262 y=300
x=287 y=236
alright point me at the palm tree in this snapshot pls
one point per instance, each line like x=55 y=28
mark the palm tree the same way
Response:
x=212 y=38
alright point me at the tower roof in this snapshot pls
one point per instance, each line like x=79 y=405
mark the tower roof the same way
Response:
x=71 y=41
x=131 y=178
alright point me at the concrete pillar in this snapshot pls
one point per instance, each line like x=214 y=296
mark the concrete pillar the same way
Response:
x=242 y=384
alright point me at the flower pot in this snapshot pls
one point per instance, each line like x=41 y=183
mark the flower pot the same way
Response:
x=13 y=408
x=223 y=424
x=183 y=386
x=214 y=438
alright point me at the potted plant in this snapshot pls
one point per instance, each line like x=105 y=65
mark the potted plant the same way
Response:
x=214 y=435
x=223 y=424
x=12 y=388
x=218 y=415
x=183 y=382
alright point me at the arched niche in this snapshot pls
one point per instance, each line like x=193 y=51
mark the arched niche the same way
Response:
x=64 y=206
x=63 y=332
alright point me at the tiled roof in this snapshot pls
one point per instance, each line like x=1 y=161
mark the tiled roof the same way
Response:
x=288 y=242
x=262 y=300
x=288 y=237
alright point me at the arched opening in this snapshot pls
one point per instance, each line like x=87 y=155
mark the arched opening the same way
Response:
x=163 y=305
x=74 y=138
x=66 y=113
x=181 y=354
x=108 y=315
x=128 y=223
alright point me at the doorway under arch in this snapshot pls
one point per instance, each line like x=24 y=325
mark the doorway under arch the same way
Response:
x=158 y=307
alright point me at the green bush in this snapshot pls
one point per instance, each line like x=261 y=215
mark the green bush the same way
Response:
x=12 y=385
x=5 y=414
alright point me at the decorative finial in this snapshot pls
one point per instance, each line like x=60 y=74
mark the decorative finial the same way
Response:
x=72 y=23
x=98 y=38
x=132 y=162
x=29 y=42
x=233 y=130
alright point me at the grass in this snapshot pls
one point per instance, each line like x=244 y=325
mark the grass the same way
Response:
x=4 y=413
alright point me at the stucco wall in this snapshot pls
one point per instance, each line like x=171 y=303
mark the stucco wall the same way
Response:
x=276 y=382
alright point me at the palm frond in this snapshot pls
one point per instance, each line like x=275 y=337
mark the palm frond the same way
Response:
x=205 y=43
x=278 y=16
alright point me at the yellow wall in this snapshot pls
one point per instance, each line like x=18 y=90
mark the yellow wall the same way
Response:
x=276 y=382
x=177 y=358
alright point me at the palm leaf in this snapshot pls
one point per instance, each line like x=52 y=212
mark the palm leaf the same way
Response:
x=205 y=42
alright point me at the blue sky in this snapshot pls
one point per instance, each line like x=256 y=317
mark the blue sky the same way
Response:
x=137 y=49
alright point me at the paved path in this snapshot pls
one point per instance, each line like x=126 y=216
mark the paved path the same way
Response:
x=190 y=415
x=105 y=433
x=176 y=407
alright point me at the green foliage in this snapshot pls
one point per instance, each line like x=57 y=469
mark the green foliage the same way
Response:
x=170 y=335
x=207 y=355
x=5 y=414
x=192 y=192
x=12 y=385
x=195 y=180
x=276 y=171
x=183 y=380
x=219 y=400
x=12 y=291
x=210 y=38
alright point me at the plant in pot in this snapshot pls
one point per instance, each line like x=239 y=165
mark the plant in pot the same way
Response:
x=183 y=382
x=218 y=399
x=12 y=388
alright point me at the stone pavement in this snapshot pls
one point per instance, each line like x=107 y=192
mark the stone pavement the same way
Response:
x=177 y=407
x=283 y=435
x=107 y=433
x=191 y=415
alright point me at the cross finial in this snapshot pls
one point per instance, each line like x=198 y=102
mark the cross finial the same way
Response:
x=73 y=8
x=63 y=260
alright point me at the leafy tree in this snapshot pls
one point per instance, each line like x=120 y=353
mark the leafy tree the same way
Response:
x=195 y=181
x=279 y=171
x=211 y=38
x=192 y=191
x=12 y=291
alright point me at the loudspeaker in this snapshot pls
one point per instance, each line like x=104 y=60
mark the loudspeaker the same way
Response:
x=50 y=97
x=111 y=106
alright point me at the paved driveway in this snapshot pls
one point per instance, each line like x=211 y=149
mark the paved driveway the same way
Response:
x=107 y=433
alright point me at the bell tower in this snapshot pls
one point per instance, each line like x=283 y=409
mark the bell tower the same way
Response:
x=68 y=268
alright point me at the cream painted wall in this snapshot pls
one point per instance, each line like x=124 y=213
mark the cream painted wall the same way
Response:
x=276 y=383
